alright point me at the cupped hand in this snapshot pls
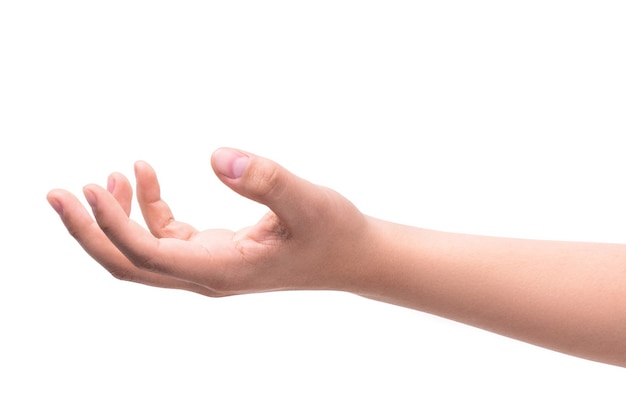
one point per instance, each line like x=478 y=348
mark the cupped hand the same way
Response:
x=312 y=237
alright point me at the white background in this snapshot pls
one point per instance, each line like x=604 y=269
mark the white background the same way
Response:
x=489 y=117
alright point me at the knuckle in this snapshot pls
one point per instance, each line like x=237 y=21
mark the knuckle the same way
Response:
x=121 y=270
x=266 y=180
x=146 y=263
x=220 y=287
x=145 y=258
x=123 y=274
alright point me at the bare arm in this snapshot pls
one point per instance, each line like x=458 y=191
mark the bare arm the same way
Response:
x=566 y=296
x=569 y=297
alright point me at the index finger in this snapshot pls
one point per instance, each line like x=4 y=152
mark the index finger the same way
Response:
x=174 y=257
x=92 y=239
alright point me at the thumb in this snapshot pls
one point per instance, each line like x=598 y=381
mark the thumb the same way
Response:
x=290 y=197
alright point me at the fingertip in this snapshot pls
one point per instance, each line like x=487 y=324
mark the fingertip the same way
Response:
x=139 y=163
x=53 y=194
x=229 y=162
x=143 y=169
x=90 y=195
x=116 y=182
x=111 y=182
x=142 y=165
x=54 y=201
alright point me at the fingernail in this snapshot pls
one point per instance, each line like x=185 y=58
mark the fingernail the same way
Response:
x=56 y=205
x=90 y=196
x=230 y=163
x=111 y=184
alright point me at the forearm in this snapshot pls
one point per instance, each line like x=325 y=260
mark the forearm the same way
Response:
x=566 y=296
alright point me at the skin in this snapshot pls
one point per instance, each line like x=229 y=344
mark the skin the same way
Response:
x=566 y=296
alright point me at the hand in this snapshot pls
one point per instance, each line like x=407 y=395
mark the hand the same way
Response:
x=310 y=239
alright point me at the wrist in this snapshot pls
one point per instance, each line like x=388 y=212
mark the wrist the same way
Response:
x=375 y=260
